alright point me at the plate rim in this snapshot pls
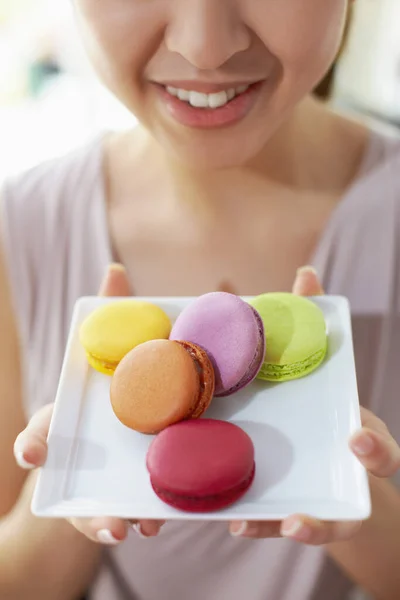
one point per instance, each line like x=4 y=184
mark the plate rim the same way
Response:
x=57 y=508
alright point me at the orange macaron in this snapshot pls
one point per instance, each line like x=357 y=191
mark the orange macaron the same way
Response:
x=162 y=382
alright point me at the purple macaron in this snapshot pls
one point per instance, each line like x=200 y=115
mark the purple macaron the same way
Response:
x=232 y=333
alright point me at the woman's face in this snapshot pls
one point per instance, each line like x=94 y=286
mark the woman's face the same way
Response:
x=212 y=80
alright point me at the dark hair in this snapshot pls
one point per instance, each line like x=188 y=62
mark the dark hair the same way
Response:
x=324 y=88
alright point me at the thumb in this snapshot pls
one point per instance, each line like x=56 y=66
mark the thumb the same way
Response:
x=115 y=282
x=307 y=283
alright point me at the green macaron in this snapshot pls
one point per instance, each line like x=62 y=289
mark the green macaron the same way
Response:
x=295 y=333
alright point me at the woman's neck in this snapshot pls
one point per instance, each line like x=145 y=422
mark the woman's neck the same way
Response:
x=223 y=221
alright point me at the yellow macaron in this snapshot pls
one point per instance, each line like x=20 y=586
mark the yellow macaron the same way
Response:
x=113 y=330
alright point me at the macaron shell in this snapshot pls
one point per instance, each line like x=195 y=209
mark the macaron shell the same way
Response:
x=295 y=331
x=154 y=385
x=225 y=326
x=201 y=458
x=114 y=329
x=257 y=363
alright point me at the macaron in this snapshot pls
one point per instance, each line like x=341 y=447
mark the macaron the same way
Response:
x=201 y=466
x=161 y=382
x=296 y=337
x=114 y=329
x=231 y=332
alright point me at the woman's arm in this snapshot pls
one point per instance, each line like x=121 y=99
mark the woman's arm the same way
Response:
x=43 y=559
x=11 y=413
x=39 y=559
x=372 y=557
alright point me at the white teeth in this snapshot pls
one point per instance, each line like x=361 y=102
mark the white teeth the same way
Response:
x=171 y=90
x=184 y=95
x=200 y=100
x=217 y=100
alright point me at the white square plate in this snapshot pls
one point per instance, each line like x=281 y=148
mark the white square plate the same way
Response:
x=300 y=429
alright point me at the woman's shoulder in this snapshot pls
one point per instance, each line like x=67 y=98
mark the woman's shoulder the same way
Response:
x=57 y=175
x=44 y=216
x=43 y=203
x=368 y=217
x=378 y=179
x=383 y=152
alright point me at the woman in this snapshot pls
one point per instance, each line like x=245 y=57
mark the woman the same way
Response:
x=234 y=179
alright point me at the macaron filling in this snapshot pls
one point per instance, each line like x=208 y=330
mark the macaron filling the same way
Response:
x=276 y=372
x=206 y=384
x=256 y=363
x=105 y=365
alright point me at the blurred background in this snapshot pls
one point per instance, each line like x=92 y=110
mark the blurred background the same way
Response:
x=50 y=101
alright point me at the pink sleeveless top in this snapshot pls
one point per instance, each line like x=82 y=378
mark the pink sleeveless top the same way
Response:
x=57 y=243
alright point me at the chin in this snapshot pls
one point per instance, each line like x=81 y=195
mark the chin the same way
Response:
x=213 y=150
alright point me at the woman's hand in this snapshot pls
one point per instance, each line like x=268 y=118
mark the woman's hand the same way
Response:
x=30 y=447
x=373 y=445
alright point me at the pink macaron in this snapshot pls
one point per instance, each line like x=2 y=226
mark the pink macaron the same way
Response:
x=231 y=332
x=201 y=466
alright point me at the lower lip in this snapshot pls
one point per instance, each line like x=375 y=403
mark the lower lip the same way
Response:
x=209 y=118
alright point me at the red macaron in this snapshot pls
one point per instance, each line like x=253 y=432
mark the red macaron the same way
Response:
x=201 y=466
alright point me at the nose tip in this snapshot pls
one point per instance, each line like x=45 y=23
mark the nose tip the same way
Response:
x=204 y=58
x=207 y=39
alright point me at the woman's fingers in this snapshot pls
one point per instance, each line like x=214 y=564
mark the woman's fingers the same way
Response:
x=307 y=283
x=115 y=282
x=315 y=533
x=30 y=447
x=146 y=528
x=255 y=529
x=296 y=527
x=112 y=531
x=374 y=446
x=103 y=530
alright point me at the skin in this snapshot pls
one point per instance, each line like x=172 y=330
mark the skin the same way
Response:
x=204 y=187
x=136 y=44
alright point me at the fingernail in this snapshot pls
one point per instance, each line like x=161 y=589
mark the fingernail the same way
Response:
x=296 y=529
x=138 y=530
x=363 y=444
x=105 y=536
x=238 y=529
x=117 y=267
x=24 y=464
x=306 y=269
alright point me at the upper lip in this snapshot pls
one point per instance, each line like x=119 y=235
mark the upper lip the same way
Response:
x=205 y=88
